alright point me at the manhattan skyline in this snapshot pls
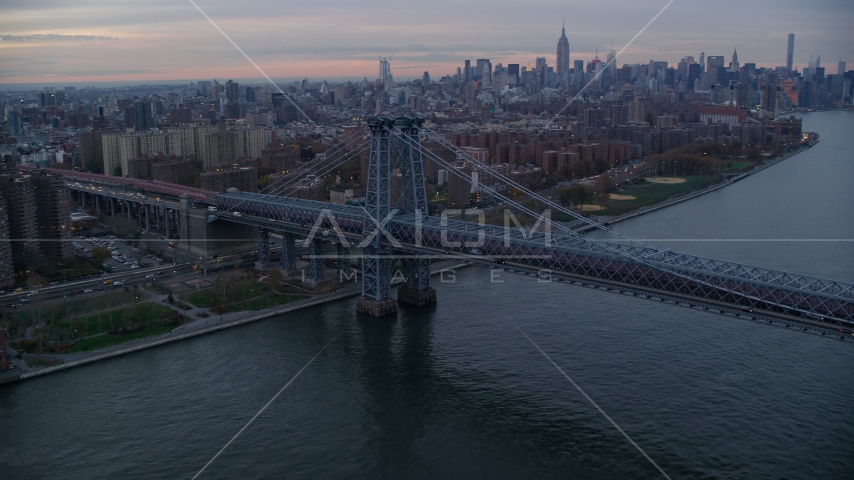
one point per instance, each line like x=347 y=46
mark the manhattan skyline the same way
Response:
x=93 y=41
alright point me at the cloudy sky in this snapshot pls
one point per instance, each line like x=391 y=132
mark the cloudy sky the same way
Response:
x=78 y=41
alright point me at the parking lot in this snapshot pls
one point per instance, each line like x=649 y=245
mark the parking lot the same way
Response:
x=125 y=255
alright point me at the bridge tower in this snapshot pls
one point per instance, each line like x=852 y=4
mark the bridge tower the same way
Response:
x=412 y=199
x=389 y=152
x=376 y=260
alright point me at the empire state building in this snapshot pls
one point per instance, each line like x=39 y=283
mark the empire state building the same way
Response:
x=562 y=56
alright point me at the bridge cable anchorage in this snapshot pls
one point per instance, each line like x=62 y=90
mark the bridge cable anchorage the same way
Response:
x=590 y=400
x=621 y=250
x=261 y=411
x=675 y=257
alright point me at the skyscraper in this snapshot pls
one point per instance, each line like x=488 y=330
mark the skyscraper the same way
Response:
x=733 y=65
x=483 y=70
x=715 y=69
x=541 y=71
x=467 y=71
x=385 y=72
x=841 y=67
x=15 y=125
x=562 y=56
x=791 y=51
x=702 y=61
x=231 y=90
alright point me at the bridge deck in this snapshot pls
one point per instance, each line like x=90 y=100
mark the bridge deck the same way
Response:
x=749 y=286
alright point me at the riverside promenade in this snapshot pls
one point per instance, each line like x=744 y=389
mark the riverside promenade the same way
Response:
x=203 y=326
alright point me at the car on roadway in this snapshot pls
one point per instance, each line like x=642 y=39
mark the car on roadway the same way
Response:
x=88 y=290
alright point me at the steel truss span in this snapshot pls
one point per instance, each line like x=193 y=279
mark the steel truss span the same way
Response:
x=740 y=285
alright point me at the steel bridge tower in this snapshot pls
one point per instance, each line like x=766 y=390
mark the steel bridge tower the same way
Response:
x=395 y=186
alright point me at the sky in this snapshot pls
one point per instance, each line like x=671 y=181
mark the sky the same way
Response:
x=79 y=41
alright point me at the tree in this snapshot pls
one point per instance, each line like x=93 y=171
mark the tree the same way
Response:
x=580 y=195
x=753 y=153
x=274 y=278
x=564 y=195
x=100 y=255
x=96 y=165
x=604 y=184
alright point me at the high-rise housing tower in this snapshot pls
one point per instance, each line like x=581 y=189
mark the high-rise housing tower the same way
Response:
x=562 y=56
x=20 y=197
x=53 y=210
x=7 y=271
x=791 y=51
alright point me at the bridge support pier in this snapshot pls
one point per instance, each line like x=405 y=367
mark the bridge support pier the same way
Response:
x=345 y=271
x=263 y=261
x=289 y=253
x=315 y=262
x=376 y=280
x=416 y=291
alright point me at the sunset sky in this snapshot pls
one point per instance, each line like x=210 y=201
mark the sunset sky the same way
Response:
x=78 y=41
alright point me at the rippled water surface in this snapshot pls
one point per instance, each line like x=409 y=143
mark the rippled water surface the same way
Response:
x=457 y=391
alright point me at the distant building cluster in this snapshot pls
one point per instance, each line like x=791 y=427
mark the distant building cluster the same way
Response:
x=548 y=120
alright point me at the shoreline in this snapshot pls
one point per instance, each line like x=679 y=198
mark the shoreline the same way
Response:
x=239 y=318
x=688 y=196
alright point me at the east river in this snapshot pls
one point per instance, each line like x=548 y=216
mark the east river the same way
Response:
x=457 y=391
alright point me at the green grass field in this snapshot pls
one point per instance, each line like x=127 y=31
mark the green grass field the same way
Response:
x=263 y=302
x=222 y=295
x=737 y=166
x=130 y=316
x=57 y=310
x=104 y=341
x=650 y=193
x=99 y=303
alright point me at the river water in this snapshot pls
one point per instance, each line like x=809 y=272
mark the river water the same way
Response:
x=457 y=391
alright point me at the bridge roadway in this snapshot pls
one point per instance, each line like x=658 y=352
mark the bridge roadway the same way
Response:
x=705 y=280
x=709 y=281
x=158 y=188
